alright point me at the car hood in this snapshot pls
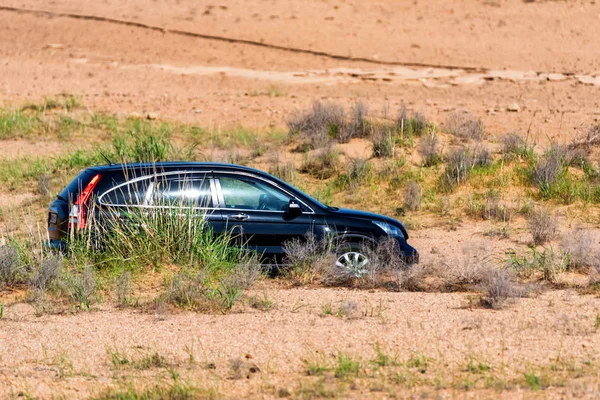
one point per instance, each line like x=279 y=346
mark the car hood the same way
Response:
x=347 y=212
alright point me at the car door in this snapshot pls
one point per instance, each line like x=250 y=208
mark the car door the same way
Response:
x=257 y=210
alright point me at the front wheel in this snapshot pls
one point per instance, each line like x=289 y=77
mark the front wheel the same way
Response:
x=352 y=260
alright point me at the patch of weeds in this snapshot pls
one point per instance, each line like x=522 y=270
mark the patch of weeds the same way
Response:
x=408 y=126
x=418 y=361
x=580 y=246
x=175 y=391
x=261 y=302
x=514 y=146
x=322 y=165
x=359 y=172
x=383 y=145
x=316 y=365
x=118 y=359
x=546 y=264
x=322 y=123
x=346 y=366
x=80 y=287
x=382 y=359
x=477 y=367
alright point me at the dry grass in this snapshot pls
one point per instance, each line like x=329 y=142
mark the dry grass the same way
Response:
x=429 y=148
x=582 y=248
x=464 y=126
x=412 y=196
x=542 y=225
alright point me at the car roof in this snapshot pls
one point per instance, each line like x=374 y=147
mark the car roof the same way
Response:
x=177 y=165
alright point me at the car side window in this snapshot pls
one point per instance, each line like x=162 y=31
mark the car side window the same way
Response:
x=250 y=194
x=130 y=194
x=183 y=192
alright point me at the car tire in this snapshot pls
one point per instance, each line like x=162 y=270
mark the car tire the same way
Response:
x=351 y=259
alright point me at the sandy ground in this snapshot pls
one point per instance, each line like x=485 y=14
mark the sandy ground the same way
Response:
x=530 y=334
x=435 y=56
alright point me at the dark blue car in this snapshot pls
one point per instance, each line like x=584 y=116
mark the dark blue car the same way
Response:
x=264 y=210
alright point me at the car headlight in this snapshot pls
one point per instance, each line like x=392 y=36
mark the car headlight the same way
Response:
x=389 y=229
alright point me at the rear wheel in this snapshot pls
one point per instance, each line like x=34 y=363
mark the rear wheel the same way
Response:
x=352 y=260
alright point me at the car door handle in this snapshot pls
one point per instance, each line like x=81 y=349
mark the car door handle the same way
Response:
x=239 y=217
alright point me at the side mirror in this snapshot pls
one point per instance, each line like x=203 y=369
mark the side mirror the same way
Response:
x=293 y=209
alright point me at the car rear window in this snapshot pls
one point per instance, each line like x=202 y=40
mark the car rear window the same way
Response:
x=73 y=189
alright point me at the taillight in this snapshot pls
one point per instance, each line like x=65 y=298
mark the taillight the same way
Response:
x=77 y=216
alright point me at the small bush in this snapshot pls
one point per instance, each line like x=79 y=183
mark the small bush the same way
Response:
x=204 y=291
x=412 y=196
x=464 y=126
x=429 y=148
x=548 y=169
x=542 y=225
x=545 y=265
x=498 y=286
x=514 y=145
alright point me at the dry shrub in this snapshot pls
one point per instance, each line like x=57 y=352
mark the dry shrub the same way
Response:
x=513 y=144
x=45 y=273
x=323 y=122
x=203 y=291
x=429 y=148
x=581 y=246
x=464 y=126
x=412 y=196
x=384 y=263
x=11 y=272
x=417 y=125
x=284 y=171
x=498 y=286
x=411 y=279
x=123 y=289
x=310 y=258
x=542 y=225
x=358 y=126
x=468 y=269
x=458 y=166
x=481 y=156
